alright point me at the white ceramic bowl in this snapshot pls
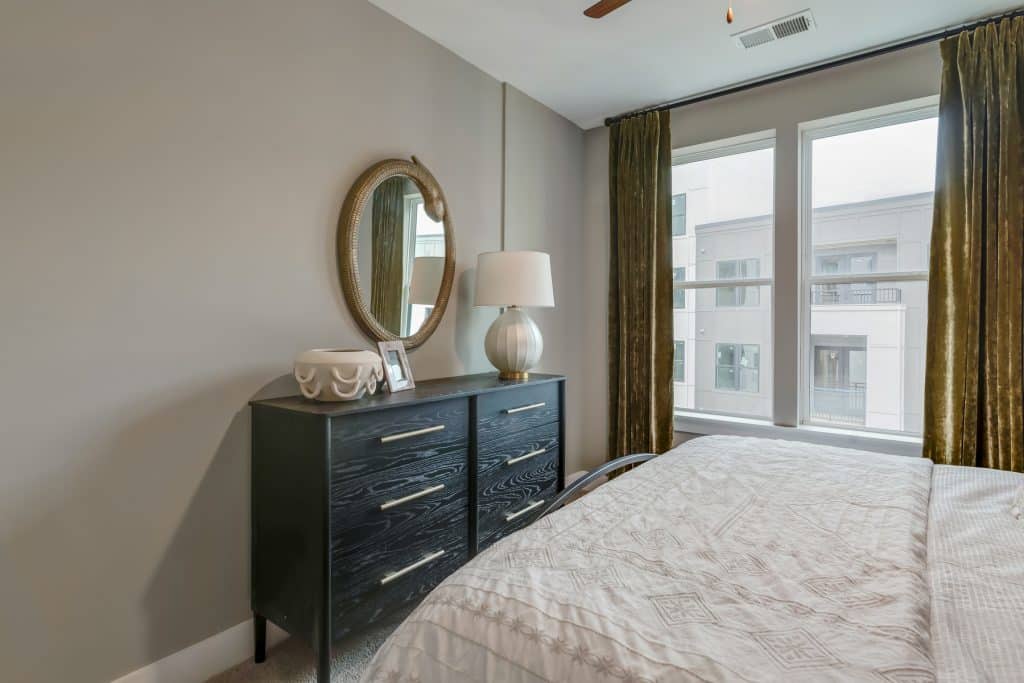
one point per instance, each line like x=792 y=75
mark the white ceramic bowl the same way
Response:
x=338 y=374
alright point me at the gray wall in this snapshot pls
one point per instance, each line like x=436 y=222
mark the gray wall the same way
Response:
x=545 y=193
x=171 y=180
x=898 y=77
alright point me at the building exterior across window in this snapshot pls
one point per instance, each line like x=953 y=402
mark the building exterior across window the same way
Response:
x=858 y=331
x=725 y=331
x=865 y=202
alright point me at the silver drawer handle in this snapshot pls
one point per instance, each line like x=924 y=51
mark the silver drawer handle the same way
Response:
x=412 y=496
x=408 y=435
x=415 y=565
x=527 y=456
x=523 y=409
x=510 y=517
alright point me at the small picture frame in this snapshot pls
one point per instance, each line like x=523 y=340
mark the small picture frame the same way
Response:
x=396 y=365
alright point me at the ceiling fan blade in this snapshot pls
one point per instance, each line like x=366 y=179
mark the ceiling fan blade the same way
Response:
x=602 y=8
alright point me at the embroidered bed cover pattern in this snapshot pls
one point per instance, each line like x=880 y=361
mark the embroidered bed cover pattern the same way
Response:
x=727 y=559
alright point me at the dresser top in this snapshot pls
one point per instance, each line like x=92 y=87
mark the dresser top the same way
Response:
x=423 y=392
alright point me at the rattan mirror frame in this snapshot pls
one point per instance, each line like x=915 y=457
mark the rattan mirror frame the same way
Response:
x=436 y=207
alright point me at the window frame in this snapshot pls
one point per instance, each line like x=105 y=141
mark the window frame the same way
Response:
x=752 y=142
x=852 y=122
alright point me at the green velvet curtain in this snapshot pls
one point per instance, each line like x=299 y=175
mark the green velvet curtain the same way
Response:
x=974 y=412
x=388 y=253
x=640 y=287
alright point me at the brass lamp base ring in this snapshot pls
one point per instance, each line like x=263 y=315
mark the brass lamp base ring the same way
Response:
x=513 y=376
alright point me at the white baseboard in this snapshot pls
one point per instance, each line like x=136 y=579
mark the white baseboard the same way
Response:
x=207 y=658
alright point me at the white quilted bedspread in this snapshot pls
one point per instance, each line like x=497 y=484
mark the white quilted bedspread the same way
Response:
x=727 y=559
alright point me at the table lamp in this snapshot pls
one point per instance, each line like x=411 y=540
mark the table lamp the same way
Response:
x=514 y=279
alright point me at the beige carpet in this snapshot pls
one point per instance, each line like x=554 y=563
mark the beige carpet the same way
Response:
x=292 y=660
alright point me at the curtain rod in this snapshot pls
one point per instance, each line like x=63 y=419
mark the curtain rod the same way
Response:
x=822 y=66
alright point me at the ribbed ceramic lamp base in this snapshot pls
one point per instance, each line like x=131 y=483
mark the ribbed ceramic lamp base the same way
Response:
x=514 y=344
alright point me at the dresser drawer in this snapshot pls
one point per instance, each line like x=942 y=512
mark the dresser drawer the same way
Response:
x=356 y=606
x=396 y=457
x=501 y=413
x=364 y=556
x=510 y=498
x=436 y=423
x=498 y=526
x=358 y=530
x=512 y=449
x=414 y=475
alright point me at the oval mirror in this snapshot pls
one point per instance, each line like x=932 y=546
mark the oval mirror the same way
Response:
x=396 y=252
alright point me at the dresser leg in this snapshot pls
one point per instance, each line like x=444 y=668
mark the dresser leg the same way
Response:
x=259 y=637
x=322 y=651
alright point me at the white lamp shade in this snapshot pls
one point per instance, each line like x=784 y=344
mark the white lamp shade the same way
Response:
x=427 y=272
x=514 y=278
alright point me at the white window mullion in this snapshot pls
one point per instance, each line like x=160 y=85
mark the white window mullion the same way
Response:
x=715 y=284
x=848 y=278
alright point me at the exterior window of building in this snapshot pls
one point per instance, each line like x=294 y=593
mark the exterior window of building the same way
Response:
x=737 y=367
x=678 y=293
x=679 y=362
x=733 y=270
x=837 y=263
x=839 y=379
x=869 y=188
x=726 y=189
x=679 y=215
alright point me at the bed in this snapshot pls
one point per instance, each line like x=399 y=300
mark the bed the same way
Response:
x=738 y=559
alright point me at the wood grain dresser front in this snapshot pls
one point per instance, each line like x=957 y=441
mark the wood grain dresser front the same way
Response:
x=361 y=508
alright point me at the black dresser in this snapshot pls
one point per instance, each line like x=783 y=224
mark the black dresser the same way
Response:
x=361 y=508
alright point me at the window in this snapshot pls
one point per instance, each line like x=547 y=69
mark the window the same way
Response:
x=839 y=379
x=855 y=312
x=841 y=261
x=835 y=263
x=679 y=362
x=735 y=270
x=423 y=237
x=868 y=188
x=727 y=191
x=679 y=215
x=737 y=367
x=678 y=293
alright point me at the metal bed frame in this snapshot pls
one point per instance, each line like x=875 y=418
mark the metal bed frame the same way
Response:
x=611 y=466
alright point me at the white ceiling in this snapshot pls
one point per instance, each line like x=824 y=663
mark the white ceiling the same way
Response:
x=651 y=51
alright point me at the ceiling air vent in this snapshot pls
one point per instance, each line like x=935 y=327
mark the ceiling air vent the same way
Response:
x=785 y=27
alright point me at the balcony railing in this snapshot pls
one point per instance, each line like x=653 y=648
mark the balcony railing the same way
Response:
x=838 y=405
x=847 y=295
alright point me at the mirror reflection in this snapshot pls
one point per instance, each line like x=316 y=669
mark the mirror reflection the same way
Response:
x=401 y=256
